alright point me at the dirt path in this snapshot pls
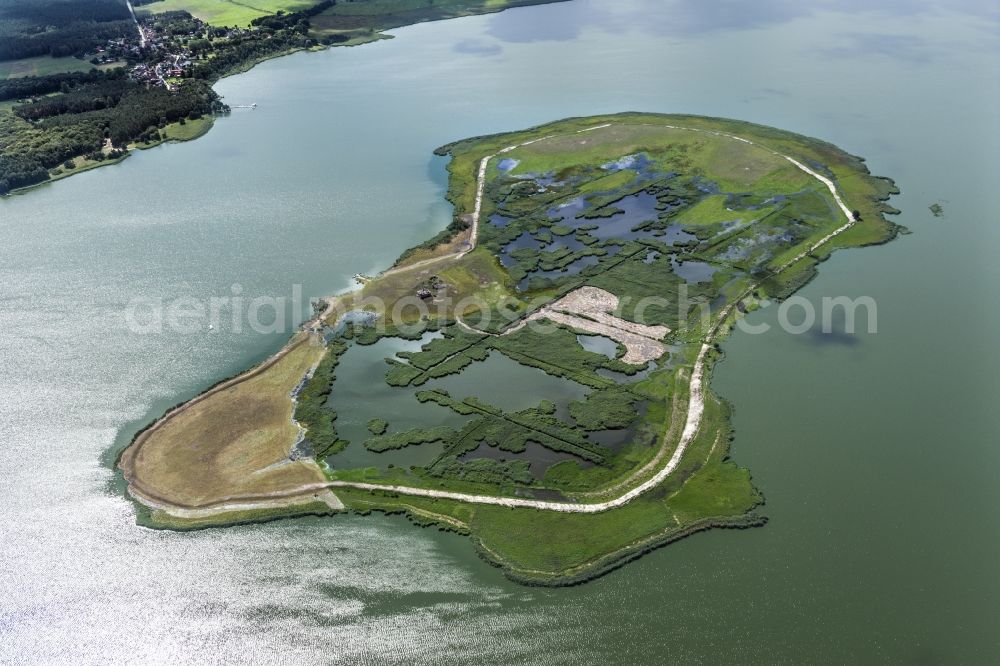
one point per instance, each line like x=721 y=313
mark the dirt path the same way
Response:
x=696 y=393
x=476 y=214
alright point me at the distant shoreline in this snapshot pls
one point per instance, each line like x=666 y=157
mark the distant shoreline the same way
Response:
x=244 y=67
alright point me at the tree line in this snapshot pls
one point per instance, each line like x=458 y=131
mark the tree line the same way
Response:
x=43 y=135
x=32 y=86
x=275 y=34
x=69 y=115
x=60 y=27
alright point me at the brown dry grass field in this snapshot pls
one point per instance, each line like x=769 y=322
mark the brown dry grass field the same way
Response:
x=231 y=442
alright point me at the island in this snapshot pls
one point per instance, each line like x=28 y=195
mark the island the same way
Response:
x=537 y=376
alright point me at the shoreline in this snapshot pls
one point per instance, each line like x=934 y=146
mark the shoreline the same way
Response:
x=206 y=123
x=376 y=36
x=699 y=374
x=466 y=192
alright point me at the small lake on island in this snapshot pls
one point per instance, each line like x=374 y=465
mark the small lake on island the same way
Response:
x=361 y=394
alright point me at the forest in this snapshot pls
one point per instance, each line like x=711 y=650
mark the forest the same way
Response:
x=33 y=86
x=58 y=117
x=58 y=28
x=43 y=134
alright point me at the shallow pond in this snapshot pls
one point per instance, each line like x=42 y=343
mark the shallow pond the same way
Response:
x=361 y=394
x=539 y=457
x=599 y=344
x=693 y=272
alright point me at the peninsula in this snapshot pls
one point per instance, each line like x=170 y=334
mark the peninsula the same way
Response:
x=537 y=375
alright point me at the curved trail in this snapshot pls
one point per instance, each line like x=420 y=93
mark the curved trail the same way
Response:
x=696 y=393
x=696 y=406
x=474 y=235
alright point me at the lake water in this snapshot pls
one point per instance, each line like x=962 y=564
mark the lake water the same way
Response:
x=874 y=450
